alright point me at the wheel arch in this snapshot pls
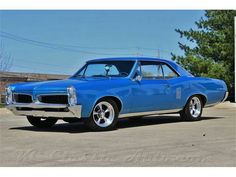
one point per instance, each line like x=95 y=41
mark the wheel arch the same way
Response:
x=114 y=98
x=201 y=95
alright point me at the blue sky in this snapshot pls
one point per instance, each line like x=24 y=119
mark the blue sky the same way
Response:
x=72 y=37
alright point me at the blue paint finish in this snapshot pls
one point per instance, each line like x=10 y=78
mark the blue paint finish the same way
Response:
x=146 y=95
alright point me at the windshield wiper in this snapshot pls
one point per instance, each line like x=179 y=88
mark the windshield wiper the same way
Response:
x=98 y=76
x=79 y=76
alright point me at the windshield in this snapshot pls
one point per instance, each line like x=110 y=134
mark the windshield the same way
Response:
x=106 y=69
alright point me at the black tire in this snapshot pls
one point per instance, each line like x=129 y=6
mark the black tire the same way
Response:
x=41 y=122
x=188 y=114
x=90 y=122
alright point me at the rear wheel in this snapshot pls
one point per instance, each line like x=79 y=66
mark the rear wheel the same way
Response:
x=104 y=116
x=193 y=109
x=41 y=122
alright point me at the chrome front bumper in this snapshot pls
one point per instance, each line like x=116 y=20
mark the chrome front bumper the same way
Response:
x=45 y=110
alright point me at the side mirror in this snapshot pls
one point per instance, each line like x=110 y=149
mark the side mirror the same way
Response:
x=137 y=76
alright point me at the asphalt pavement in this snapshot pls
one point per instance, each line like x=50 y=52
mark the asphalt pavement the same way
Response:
x=163 y=140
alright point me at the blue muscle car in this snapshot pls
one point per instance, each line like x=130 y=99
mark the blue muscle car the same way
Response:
x=104 y=90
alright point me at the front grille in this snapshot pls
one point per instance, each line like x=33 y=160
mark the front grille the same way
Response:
x=54 y=99
x=22 y=98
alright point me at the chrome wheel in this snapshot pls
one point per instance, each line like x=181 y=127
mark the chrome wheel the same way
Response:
x=195 y=107
x=103 y=114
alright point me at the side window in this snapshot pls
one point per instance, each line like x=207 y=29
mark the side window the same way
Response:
x=151 y=70
x=168 y=72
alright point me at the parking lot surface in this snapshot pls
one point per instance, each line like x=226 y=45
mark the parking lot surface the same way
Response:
x=151 y=141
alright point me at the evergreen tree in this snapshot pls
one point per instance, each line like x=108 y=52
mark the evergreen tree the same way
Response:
x=213 y=51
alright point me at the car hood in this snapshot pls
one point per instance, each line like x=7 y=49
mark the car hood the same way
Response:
x=56 y=85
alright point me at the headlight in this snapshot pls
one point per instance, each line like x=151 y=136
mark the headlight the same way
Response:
x=72 y=99
x=9 y=97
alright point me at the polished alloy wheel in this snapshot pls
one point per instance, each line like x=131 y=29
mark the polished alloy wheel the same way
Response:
x=103 y=114
x=195 y=107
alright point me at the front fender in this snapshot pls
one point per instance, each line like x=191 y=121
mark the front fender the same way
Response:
x=88 y=101
x=107 y=94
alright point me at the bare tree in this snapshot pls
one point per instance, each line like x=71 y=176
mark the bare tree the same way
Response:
x=6 y=60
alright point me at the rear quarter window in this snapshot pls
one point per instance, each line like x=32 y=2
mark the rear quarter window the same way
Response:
x=168 y=72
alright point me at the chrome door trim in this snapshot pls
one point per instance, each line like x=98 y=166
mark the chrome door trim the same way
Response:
x=149 y=113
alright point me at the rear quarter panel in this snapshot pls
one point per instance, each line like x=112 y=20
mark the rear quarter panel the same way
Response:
x=213 y=89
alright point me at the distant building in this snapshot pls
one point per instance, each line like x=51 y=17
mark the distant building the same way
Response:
x=14 y=77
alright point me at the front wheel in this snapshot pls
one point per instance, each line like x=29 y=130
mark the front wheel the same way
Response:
x=104 y=116
x=41 y=122
x=193 y=109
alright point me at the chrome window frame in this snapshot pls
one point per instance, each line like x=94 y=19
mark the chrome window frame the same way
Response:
x=160 y=62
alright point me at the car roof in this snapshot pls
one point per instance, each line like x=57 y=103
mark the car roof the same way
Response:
x=129 y=59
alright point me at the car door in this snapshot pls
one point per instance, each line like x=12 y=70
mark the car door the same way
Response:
x=178 y=90
x=153 y=91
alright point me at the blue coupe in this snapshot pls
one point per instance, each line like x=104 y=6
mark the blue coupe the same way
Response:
x=104 y=90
